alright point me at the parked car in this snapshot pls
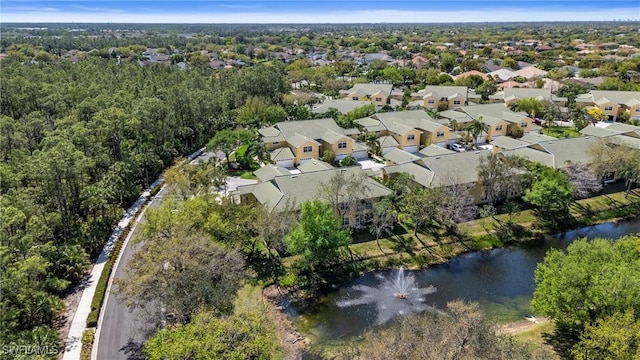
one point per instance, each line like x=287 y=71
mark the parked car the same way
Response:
x=457 y=147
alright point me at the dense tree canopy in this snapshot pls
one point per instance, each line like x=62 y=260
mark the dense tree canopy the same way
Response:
x=79 y=143
x=592 y=286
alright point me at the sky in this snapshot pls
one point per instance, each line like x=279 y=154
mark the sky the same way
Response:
x=314 y=11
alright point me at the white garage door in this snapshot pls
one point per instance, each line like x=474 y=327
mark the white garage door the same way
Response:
x=411 y=148
x=341 y=156
x=387 y=149
x=285 y=163
x=359 y=155
x=442 y=144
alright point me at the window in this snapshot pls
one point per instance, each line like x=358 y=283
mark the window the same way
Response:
x=608 y=108
x=276 y=142
x=345 y=221
x=498 y=127
x=307 y=149
x=378 y=99
x=355 y=98
x=638 y=110
x=440 y=134
x=523 y=125
x=411 y=137
x=456 y=102
x=431 y=101
x=342 y=145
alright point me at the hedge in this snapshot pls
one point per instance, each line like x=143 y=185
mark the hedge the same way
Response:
x=101 y=287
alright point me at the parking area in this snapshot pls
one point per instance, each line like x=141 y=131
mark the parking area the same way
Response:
x=370 y=164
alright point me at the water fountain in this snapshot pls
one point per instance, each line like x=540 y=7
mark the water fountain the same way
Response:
x=396 y=295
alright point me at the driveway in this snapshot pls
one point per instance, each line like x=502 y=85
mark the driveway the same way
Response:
x=232 y=184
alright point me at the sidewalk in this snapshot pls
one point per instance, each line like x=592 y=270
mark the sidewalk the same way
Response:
x=73 y=344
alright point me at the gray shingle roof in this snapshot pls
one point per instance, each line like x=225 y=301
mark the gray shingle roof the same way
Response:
x=331 y=136
x=534 y=138
x=618 y=97
x=269 y=172
x=298 y=140
x=461 y=166
x=387 y=141
x=440 y=92
x=399 y=156
x=508 y=143
x=531 y=154
x=314 y=165
x=293 y=190
x=435 y=150
x=313 y=129
x=343 y=106
x=369 y=89
x=282 y=154
x=565 y=150
x=421 y=175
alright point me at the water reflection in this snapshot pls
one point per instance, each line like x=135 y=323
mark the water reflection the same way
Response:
x=501 y=280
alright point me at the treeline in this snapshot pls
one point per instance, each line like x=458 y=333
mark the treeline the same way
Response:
x=78 y=144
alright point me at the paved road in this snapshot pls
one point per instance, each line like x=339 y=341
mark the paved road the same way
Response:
x=121 y=332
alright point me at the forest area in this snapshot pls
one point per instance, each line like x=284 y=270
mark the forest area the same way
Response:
x=79 y=143
x=87 y=122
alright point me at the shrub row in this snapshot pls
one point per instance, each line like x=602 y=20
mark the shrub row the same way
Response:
x=87 y=344
x=101 y=287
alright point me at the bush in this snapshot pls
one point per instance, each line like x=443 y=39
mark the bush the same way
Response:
x=87 y=344
x=101 y=286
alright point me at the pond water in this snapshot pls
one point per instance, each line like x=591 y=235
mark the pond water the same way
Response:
x=501 y=280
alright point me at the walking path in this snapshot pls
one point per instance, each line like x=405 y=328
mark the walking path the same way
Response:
x=73 y=344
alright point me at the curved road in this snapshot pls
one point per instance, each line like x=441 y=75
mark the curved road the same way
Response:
x=121 y=332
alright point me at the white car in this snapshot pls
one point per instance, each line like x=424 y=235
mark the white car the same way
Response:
x=458 y=147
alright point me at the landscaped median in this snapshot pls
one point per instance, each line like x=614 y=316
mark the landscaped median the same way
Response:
x=404 y=248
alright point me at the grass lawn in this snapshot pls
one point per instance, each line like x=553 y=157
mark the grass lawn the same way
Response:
x=534 y=337
x=248 y=175
x=560 y=132
x=428 y=248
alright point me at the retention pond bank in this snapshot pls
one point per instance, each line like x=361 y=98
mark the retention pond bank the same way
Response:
x=501 y=280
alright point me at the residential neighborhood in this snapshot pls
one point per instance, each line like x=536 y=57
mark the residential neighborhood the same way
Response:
x=320 y=190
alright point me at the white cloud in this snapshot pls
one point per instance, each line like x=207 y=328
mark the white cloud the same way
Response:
x=364 y=16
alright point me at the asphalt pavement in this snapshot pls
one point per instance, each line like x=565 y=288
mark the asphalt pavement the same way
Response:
x=121 y=332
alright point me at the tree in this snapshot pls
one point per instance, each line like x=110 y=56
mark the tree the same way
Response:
x=421 y=206
x=244 y=336
x=552 y=194
x=593 y=280
x=596 y=114
x=344 y=193
x=476 y=128
x=373 y=143
x=613 y=337
x=583 y=179
x=383 y=219
x=348 y=160
x=531 y=106
x=500 y=176
x=320 y=240
x=461 y=333
x=228 y=141
x=551 y=113
x=180 y=274
x=578 y=116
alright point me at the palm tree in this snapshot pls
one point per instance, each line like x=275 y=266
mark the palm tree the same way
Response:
x=551 y=113
x=475 y=128
x=374 y=145
x=531 y=106
x=258 y=149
